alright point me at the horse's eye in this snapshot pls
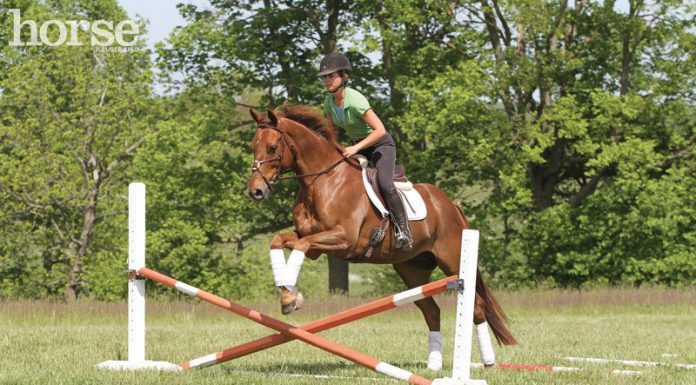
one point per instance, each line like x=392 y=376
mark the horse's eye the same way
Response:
x=272 y=149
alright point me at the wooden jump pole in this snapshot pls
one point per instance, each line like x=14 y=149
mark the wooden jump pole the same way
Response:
x=287 y=329
x=326 y=323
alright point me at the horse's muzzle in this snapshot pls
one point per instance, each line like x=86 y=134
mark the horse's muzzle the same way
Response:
x=258 y=190
x=259 y=194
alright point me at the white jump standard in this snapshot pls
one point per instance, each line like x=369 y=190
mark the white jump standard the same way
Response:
x=136 y=289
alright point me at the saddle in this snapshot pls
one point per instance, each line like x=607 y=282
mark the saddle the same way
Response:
x=411 y=198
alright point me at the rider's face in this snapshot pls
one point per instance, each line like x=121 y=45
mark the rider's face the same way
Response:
x=331 y=81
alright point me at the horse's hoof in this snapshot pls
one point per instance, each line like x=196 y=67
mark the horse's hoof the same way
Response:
x=294 y=304
x=435 y=361
x=488 y=366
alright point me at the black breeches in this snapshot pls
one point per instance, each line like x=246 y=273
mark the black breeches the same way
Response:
x=383 y=157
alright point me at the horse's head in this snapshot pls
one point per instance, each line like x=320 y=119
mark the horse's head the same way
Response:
x=272 y=155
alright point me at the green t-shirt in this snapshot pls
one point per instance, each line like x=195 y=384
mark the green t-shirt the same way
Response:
x=354 y=107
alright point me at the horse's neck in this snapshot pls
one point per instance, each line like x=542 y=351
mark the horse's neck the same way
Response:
x=313 y=154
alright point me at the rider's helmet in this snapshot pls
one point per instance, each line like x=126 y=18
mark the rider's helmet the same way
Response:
x=334 y=62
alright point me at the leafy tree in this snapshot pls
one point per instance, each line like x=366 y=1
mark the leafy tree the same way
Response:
x=272 y=46
x=562 y=109
x=71 y=118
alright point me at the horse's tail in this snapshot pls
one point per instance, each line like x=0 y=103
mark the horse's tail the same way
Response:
x=495 y=316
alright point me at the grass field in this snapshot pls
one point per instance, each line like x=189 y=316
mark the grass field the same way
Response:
x=55 y=343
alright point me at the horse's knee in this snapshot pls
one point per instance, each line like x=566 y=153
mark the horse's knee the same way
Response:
x=302 y=246
x=283 y=240
x=277 y=242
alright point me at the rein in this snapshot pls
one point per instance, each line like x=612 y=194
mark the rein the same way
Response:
x=256 y=165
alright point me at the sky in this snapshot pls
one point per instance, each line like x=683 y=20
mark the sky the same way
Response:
x=162 y=15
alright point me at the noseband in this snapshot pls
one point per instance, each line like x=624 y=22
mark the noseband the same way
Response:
x=256 y=165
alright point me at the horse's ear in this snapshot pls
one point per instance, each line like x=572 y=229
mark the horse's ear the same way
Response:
x=272 y=117
x=254 y=115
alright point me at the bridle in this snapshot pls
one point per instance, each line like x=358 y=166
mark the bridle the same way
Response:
x=256 y=165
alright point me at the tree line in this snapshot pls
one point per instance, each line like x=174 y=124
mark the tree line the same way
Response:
x=565 y=130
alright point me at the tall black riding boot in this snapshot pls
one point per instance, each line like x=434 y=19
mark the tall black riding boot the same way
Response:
x=402 y=231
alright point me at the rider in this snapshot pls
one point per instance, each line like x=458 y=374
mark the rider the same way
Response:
x=351 y=111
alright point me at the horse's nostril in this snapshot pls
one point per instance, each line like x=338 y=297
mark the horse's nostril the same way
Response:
x=258 y=193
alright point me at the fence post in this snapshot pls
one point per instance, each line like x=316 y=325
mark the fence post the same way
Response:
x=136 y=289
x=136 y=261
x=461 y=365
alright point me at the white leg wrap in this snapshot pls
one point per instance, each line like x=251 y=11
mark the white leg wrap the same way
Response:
x=484 y=343
x=278 y=265
x=292 y=268
x=435 y=351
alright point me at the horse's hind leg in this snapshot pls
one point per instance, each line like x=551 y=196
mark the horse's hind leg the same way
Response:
x=416 y=272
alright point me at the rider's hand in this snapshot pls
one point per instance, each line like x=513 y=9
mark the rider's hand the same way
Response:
x=350 y=151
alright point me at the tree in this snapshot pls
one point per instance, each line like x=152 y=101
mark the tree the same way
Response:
x=562 y=105
x=71 y=119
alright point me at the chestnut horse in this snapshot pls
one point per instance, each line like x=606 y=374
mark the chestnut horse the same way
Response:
x=333 y=215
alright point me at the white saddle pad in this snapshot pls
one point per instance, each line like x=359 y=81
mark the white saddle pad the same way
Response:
x=410 y=197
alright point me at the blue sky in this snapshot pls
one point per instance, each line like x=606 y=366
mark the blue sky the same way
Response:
x=162 y=14
x=163 y=17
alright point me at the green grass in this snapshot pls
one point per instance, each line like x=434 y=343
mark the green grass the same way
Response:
x=53 y=343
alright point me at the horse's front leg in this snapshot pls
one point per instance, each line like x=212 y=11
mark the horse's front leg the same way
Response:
x=315 y=244
x=278 y=243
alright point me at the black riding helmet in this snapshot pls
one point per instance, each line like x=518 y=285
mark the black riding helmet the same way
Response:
x=334 y=62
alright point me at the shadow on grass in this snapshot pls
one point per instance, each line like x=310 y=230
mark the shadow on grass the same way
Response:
x=328 y=369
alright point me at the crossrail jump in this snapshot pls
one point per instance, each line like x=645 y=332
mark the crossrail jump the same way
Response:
x=136 y=348
x=326 y=323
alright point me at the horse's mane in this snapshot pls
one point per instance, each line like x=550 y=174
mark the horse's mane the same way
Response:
x=313 y=119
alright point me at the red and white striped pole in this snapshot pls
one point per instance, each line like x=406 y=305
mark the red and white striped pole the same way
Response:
x=289 y=330
x=326 y=323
